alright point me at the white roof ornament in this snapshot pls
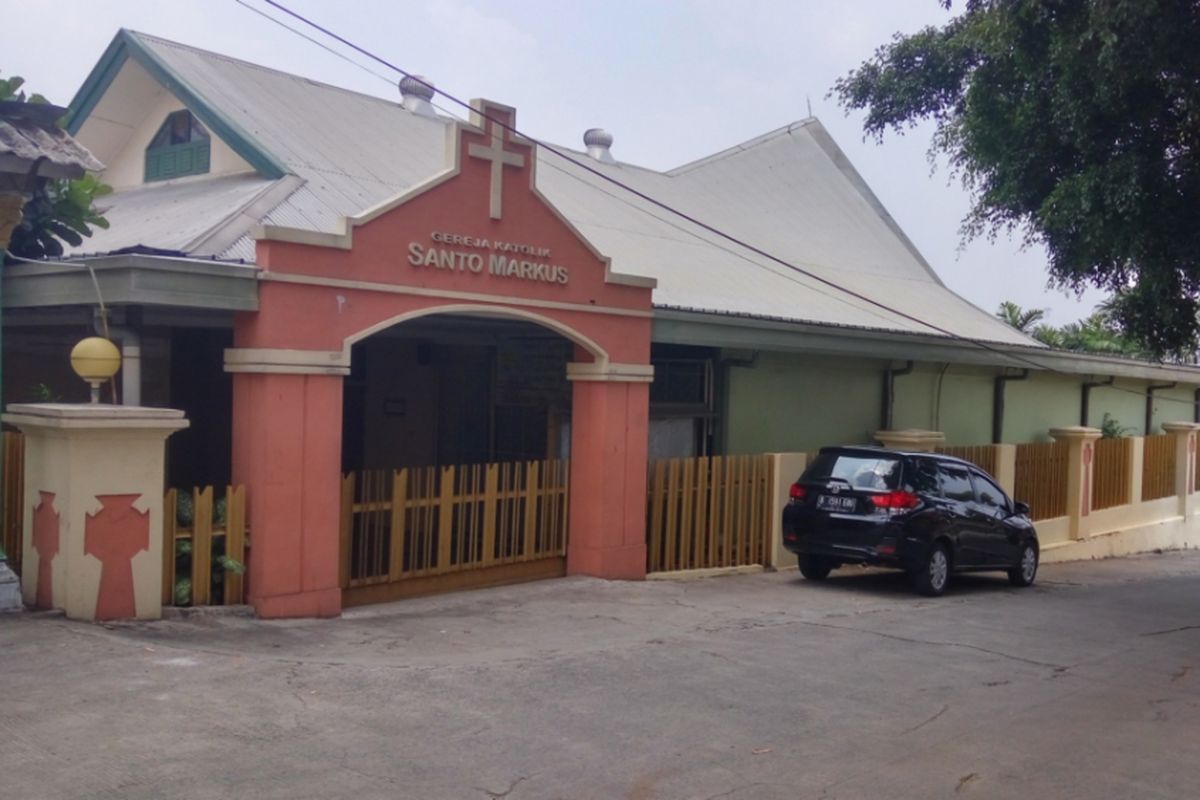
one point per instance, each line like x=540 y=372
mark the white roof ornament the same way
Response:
x=598 y=142
x=416 y=92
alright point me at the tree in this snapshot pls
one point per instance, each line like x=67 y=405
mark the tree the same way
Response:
x=57 y=211
x=1076 y=123
x=1021 y=319
x=1095 y=333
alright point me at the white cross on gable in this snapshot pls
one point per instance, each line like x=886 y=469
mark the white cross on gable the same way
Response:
x=499 y=157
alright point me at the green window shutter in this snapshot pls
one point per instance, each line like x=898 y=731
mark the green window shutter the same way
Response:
x=178 y=160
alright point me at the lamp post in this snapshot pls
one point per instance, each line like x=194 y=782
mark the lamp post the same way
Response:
x=33 y=149
x=95 y=359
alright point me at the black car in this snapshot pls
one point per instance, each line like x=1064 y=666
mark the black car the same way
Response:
x=927 y=514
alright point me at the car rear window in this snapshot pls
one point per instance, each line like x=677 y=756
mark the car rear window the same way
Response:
x=860 y=470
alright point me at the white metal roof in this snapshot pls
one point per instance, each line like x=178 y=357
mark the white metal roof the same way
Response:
x=790 y=192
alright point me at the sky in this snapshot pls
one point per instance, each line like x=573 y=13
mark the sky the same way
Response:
x=673 y=81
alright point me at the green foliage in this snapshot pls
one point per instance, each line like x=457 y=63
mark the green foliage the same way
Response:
x=58 y=211
x=1096 y=333
x=1021 y=319
x=1077 y=123
x=1048 y=334
x=10 y=90
x=185 y=508
x=182 y=593
x=185 y=513
x=1111 y=429
x=231 y=565
x=44 y=393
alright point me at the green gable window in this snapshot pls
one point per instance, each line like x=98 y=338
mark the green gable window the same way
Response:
x=181 y=147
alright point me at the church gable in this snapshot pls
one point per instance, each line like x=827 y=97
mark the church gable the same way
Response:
x=147 y=124
x=479 y=227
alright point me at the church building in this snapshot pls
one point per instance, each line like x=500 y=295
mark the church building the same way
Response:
x=333 y=284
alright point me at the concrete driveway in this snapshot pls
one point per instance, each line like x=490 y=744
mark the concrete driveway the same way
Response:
x=760 y=686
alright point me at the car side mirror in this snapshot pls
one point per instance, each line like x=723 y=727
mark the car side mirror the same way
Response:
x=1021 y=508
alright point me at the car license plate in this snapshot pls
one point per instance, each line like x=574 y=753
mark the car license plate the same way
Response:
x=829 y=502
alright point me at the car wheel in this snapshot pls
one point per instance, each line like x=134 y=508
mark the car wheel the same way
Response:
x=814 y=568
x=931 y=578
x=1026 y=569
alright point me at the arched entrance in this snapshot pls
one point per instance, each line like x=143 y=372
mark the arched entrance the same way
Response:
x=462 y=246
x=455 y=454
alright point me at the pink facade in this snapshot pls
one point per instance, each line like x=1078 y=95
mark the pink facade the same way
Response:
x=477 y=240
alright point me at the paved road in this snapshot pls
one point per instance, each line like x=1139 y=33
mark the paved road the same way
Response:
x=762 y=686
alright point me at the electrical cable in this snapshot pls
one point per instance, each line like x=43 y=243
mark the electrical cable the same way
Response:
x=685 y=216
x=454 y=115
x=86 y=263
x=321 y=45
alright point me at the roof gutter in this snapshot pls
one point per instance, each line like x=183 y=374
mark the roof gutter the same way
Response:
x=889 y=392
x=1085 y=396
x=998 y=403
x=1150 y=390
x=676 y=325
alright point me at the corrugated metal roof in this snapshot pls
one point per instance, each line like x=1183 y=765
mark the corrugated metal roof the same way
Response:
x=173 y=215
x=29 y=132
x=790 y=192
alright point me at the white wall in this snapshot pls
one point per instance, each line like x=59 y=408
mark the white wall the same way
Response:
x=127 y=168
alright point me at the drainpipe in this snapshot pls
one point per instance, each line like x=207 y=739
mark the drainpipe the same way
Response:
x=131 y=359
x=1085 y=396
x=889 y=392
x=1150 y=390
x=998 y=403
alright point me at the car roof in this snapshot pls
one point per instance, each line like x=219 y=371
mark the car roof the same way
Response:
x=865 y=449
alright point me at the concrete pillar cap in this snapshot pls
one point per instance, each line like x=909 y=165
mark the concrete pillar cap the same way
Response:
x=1181 y=427
x=93 y=416
x=1075 y=432
x=914 y=439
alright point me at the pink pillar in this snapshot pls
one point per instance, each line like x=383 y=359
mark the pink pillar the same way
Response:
x=609 y=430
x=287 y=431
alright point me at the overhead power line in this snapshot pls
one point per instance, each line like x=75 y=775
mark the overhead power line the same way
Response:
x=672 y=210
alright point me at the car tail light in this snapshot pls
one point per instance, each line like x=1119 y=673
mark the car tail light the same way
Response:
x=797 y=493
x=896 y=500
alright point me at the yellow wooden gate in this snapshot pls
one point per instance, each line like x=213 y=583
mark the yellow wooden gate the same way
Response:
x=424 y=530
x=709 y=512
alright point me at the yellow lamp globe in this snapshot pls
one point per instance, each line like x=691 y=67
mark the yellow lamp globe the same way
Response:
x=95 y=359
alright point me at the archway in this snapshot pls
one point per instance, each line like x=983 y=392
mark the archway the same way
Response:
x=455 y=455
x=468 y=243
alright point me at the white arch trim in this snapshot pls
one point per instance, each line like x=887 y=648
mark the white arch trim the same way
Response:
x=505 y=312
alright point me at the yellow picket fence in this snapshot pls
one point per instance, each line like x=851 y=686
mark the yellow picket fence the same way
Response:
x=430 y=522
x=709 y=512
x=1158 y=467
x=13 y=498
x=213 y=528
x=1111 y=472
x=1041 y=478
x=982 y=455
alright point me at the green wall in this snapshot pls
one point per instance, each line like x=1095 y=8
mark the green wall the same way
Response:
x=963 y=392
x=791 y=402
x=1041 y=402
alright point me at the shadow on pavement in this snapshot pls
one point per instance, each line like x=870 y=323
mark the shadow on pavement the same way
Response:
x=893 y=583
